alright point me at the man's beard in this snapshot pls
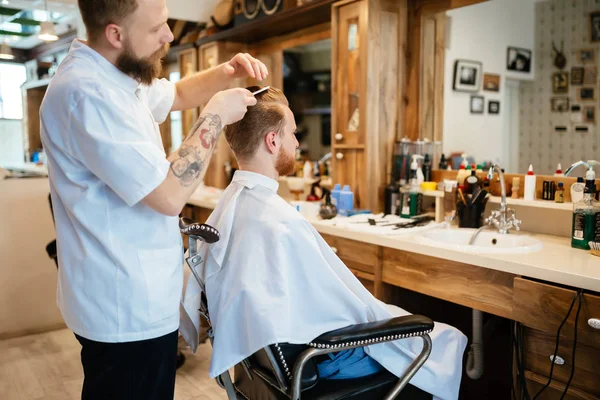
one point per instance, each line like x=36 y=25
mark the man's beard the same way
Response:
x=285 y=164
x=144 y=70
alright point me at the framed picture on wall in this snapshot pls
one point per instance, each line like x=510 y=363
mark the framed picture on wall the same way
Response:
x=559 y=104
x=577 y=75
x=493 y=107
x=560 y=82
x=589 y=114
x=586 y=94
x=590 y=75
x=595 y=26
x=518 y=59
x=477 y=104
x=586 y=56
x=491 y=82
x=467 y=76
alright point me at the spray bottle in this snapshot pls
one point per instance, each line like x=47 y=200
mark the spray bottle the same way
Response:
x=586 y=214
x=411 y=196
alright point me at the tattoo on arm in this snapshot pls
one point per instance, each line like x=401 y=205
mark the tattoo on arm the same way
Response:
x=189 y=164
x=208 y=128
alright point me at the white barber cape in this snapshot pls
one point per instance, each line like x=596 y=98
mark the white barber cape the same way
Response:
x=272 y=279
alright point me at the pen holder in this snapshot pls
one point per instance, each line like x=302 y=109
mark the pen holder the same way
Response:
x=470 y=215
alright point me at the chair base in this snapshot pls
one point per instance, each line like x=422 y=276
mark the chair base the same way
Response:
x=367 y=388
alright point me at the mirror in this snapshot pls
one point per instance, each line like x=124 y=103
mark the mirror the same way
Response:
x=520 y=83
x=307 y=86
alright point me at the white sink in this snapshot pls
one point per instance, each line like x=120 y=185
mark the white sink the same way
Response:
x=488 y=241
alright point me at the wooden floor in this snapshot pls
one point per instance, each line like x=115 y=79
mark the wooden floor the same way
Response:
x=47 y=366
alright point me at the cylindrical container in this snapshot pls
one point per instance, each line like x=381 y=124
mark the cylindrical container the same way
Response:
x=529 y=190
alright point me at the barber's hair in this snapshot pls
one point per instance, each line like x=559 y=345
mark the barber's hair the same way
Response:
x=97 y=14
x=267 y=115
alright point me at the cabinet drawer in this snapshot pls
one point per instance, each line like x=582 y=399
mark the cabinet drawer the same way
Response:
x=542 y=306
x=539 y=346
x=356 y=255
x=553 y=392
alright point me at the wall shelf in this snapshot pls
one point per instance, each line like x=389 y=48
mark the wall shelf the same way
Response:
x=287 y=21
x=547 y=204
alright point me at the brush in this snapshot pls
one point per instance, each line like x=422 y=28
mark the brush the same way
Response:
x=595 y=248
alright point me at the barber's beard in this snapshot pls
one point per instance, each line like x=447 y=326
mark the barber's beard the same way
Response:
x=144 y=70
x=285 y=164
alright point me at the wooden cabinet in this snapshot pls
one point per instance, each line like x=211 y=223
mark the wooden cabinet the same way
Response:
x=542 y=307
x=365 y=100
x=33 y=93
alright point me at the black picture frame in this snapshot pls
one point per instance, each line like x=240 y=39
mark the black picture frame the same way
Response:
x=518 y=59
x=477 y=104
x=494 y=107
x=595 y=27
x=472 y=81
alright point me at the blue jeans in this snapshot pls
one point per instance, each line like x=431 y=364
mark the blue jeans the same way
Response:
x=348 y=364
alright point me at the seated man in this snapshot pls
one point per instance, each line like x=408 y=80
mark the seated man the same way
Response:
x=271 y=278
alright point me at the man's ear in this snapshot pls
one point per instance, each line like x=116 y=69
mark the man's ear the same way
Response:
x=114 y=35
x=272 y=142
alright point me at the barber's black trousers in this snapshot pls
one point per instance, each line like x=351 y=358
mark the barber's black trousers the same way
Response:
x=142 y=370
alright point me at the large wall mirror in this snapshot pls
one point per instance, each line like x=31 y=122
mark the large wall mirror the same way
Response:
x=520 y=83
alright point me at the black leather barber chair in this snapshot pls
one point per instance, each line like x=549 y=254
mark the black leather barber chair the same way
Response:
x=285 y=371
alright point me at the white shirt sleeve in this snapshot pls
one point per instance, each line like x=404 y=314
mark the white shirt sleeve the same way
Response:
x=161 y=96
x=115 y=149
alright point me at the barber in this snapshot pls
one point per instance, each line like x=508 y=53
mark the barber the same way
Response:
x=116 y=195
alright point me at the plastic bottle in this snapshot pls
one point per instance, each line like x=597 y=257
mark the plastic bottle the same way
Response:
x=335 y=195
x=416 y=168
x=585 y=215
x=559 y=171
x=559 y=196
x=529 y=191
x=346 y=201
x=307 y=170
x=471 y=182
x=577 y=190
x=443 y=163
x=462 y=173
x=427 y=168
x=392 y=199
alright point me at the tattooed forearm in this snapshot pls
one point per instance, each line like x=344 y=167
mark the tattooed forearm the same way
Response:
x=188 y=165
x=207 y=127
x=190 y=160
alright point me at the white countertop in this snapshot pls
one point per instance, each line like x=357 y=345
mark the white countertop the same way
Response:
x=557 y=262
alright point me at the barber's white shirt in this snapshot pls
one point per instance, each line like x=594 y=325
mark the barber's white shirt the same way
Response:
x=120 y=262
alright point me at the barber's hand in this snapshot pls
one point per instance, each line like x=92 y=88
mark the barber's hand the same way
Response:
x=243 y=65
x=230 y=105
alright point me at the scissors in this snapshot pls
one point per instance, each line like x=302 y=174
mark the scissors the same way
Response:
x=261 y=90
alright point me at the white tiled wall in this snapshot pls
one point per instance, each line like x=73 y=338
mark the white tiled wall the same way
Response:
x=559 y=21
x=11 y=142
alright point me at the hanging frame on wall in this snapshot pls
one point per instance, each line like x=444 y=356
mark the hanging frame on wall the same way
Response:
x=467 y=76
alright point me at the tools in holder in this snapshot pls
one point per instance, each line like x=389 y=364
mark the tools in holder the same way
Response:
x=471 y=207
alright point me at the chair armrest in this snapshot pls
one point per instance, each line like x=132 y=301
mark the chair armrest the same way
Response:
x=375 y=332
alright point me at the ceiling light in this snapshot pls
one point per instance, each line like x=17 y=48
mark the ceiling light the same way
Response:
x=6 y=52
x=47 y=32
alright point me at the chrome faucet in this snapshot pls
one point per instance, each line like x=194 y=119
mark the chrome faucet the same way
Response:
x=504 y=219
